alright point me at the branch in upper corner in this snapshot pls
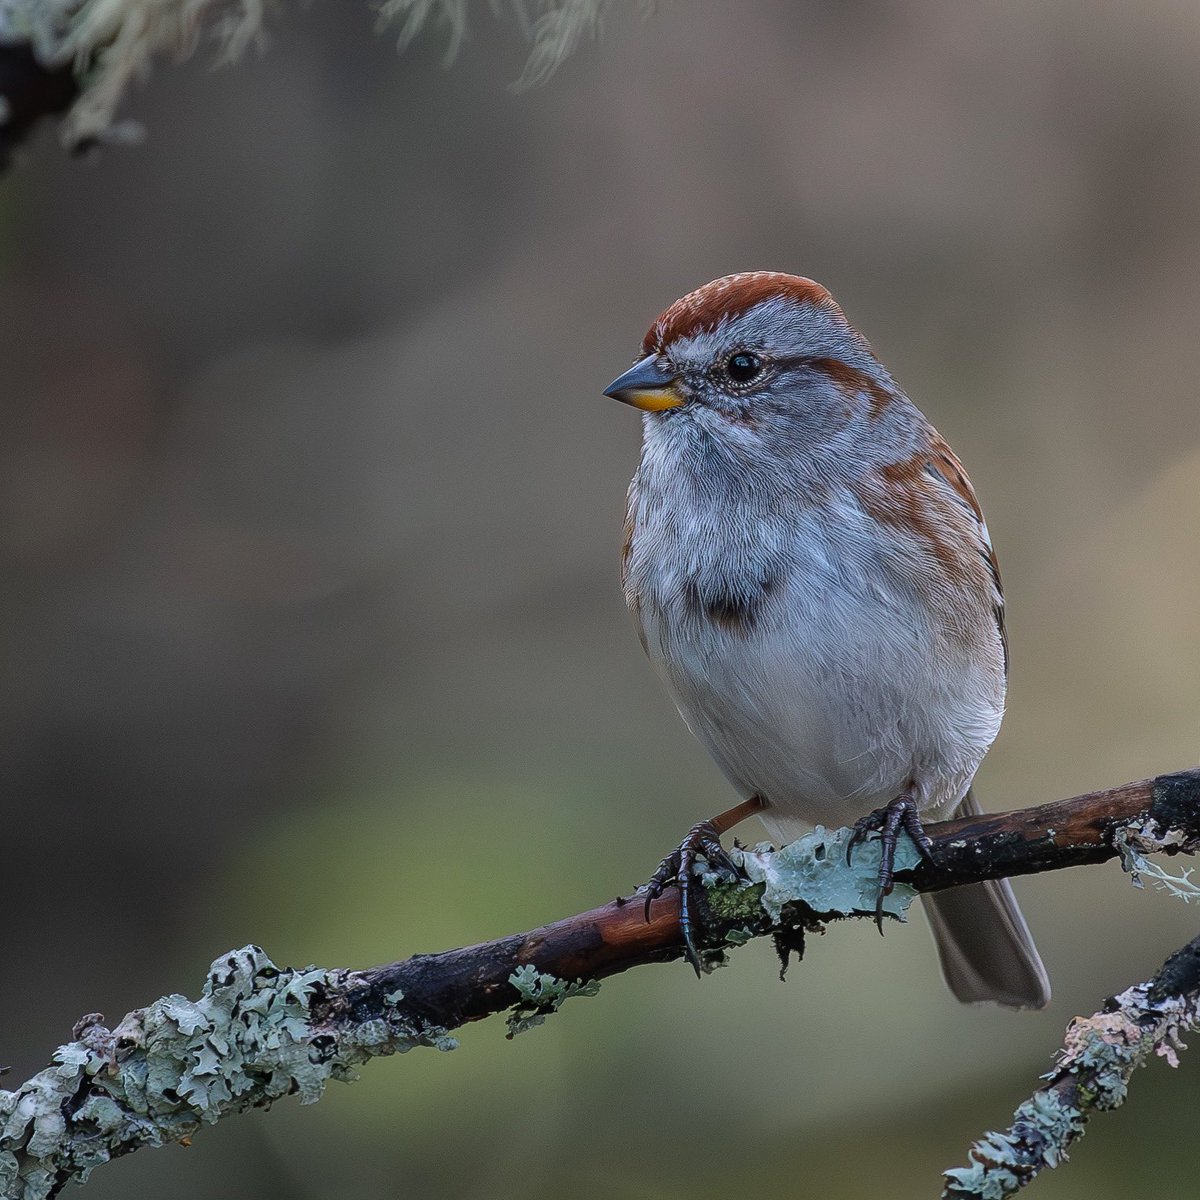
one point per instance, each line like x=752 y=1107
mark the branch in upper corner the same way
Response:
x=79 y=56
x=554 y=28
x=258 y=1032
x=1100 y=1053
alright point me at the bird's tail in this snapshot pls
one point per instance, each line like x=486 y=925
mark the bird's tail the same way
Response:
x=986 y=951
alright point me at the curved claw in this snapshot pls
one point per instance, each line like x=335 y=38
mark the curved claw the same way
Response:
x=702 y=841
x=902 y=813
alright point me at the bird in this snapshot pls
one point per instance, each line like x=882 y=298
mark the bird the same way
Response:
x=813 y=580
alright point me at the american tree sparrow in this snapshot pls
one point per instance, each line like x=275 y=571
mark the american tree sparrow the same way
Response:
x=812 y=577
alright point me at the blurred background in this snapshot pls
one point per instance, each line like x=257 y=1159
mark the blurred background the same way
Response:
x=310 y=512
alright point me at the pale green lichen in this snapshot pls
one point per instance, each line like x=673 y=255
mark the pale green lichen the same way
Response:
x=1098 y=1058
x=556 y=34
x=541 y=995
x=178 y=1064
x=39 y=22
x=1043 y=1126
x=110 y=43
x=734 y=903
x=988 y=1177
x=1134 y=843
x=813 y=871
x=554 y=28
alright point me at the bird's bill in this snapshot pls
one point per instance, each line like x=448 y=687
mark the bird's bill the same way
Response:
x=646 y=386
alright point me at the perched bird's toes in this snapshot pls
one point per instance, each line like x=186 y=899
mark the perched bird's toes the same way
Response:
x=667 y=873
x=910 y=820
x=872 y=823
x=702 y=841
x=879 y=899
x=717 y=857
x=902 y=813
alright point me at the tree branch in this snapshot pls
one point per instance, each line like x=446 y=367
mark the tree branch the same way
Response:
x=79 y=56
x=258 y=1033
x=1099 y=1055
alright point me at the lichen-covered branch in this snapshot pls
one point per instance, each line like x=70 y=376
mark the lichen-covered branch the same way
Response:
x=258 y=1032
x=81 y=55
x=1098 y=1056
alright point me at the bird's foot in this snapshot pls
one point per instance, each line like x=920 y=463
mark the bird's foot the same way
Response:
x=902 y=813
x=703 y=841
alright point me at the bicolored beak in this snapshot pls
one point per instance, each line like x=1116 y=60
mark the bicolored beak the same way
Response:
x=647 y=386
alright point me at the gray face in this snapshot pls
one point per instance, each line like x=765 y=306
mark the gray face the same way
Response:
x=795 y=373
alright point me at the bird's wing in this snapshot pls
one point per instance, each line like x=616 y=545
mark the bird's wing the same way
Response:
x=944 y=467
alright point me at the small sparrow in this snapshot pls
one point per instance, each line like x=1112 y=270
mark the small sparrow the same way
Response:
x=812 y=577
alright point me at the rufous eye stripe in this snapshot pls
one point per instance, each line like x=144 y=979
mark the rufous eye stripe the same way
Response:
x=853 y=383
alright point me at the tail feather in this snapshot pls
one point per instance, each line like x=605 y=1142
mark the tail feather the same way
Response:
x=985 y=948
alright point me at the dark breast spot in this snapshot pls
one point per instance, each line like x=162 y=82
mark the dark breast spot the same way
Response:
x=732 y=605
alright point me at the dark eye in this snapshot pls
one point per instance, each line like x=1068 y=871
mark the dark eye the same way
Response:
x=743 y=366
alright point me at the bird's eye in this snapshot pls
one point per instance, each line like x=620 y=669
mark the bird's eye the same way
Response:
x=743 y=367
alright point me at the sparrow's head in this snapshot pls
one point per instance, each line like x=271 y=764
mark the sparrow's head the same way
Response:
x=757 y=349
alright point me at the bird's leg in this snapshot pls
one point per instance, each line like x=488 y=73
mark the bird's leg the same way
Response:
x=902 y=813
x=703 y=839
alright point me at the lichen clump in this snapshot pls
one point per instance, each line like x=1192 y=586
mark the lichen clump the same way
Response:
x=1098 y=1056
x=167 y=1069
x=812 y=870
x=541 y=995
x=110 y=43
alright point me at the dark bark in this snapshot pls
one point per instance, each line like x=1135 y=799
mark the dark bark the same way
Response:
x=467 y=984
x=29 y=91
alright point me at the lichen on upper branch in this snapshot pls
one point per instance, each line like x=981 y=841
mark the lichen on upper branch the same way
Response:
x=110 y=43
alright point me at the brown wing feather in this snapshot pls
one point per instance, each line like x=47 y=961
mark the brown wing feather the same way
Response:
x=945 y=462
